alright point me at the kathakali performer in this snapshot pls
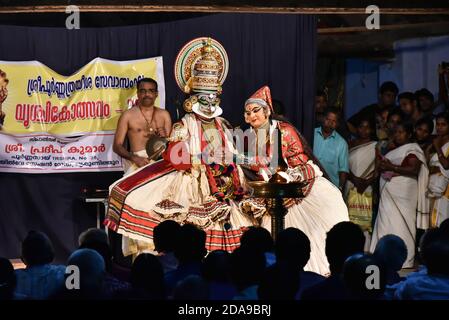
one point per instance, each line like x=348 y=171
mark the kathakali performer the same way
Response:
x=322 y=206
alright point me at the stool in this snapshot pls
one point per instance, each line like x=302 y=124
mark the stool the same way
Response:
x=99 y=197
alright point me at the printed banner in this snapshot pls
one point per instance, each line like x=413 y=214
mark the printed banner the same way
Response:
x=55 y=123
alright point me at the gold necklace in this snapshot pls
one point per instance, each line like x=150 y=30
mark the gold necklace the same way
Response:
x=149 y=128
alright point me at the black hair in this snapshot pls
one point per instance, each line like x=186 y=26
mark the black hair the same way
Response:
x=278 y=107
x=333 y=110
x=407 y=125
x=443 y=115
x=149 y=80
x=425 y=93
x=427 y=121
x=389 y=86
x=37 y=249
x=395 y=111
x=407 y=95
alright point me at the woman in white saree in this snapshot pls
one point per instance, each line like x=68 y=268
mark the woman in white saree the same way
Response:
x=438 y=190
x=403 y=203
x=362 y=175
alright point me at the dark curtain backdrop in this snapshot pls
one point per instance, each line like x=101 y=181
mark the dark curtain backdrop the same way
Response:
x=276 y=50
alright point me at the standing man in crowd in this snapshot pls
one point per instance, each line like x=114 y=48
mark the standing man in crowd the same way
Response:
x=138 y=124
x=331 y=149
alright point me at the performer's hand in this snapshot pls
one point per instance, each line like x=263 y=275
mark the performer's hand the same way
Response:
x=140 y=161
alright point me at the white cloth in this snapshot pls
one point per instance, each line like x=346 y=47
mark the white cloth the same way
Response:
x=438 y=184
x=362 y=164
x=129 y=166
x=403 y=205
x=315 y=215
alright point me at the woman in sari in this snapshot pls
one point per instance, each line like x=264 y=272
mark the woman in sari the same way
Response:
x=362 y=175
x=403 y=184
x=322 y=206
x=438 y=190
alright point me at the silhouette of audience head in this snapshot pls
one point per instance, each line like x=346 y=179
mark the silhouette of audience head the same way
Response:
x=191 y=244
x=7 y=280
x=435 y=252
x=217 y=266
x=37 y=249
x=164 y=235
x=192 y=287
x=279 y=282
x=147 y=276
x=93 y=235
x=364 y=277
x=97 y=239
x=343 y=240
x=391 y=251
x=293 y=247
x=91 y=272
x=257 y=238
x=247 y=267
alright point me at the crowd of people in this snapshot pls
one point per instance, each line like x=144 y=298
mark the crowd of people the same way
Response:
x=390 y=160
x=259 y=269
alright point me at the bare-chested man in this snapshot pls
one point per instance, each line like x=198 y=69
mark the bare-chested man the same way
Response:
x=140 y=122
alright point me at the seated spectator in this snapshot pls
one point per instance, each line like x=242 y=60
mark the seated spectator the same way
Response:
x=190 y=250
x=97 y=239
x=391 y=251
x=7 y=280
x=92 y=270
x=259 y=239
x=279 y=282
x=147 y=279
x=40 y=278
x=433 y=285
x=93 y=235
x=342 y=241
x=364 y=277
x=247 y=267
x=216 y=271
x=164 y=239
x=292 y=247
x=192 y=287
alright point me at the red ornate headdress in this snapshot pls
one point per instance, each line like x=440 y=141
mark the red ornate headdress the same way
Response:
x=261 y=97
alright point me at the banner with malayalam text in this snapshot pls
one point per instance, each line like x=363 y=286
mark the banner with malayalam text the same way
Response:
x=55 y=123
